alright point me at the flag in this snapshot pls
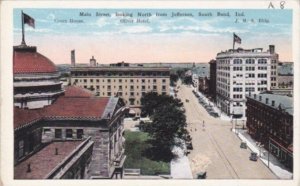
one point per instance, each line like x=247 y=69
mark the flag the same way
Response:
x=28 y=20
x=237 y=39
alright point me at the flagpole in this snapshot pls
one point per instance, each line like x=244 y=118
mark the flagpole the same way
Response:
x=23 y=36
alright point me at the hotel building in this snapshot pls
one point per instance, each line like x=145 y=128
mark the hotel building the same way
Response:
x=122 y=79
x=240 y=72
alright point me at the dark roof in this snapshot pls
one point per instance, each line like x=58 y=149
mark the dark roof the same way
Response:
x=281 y=102
x=27 y=60
x=46 y=156
x=77 y=104
x=76 y=107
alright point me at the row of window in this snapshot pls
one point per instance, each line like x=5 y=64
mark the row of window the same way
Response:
x=247 y=61
x=69 y=133
x=118 y=74
x=119 y=80
x=120 y=88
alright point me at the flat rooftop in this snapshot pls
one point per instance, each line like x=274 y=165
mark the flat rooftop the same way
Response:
x=45 y=160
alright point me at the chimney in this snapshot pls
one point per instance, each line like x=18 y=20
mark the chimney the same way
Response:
x=267 y=100
x=93 y=62
x=28 y=168
x=56 y=151
x=272 y=49
x=72 y=58
x=273 y=103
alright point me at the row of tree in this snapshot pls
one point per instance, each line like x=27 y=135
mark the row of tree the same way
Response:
x=168 y=126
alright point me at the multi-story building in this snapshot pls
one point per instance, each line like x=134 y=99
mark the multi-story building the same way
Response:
x=240 y=72
x=213 y=79
x=62 y=134
x=123 y=80
x=270 y=121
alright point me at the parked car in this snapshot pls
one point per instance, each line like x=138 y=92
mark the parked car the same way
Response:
x=214 y=114
x=201 y=175
x=243 y=145
x=253 y=156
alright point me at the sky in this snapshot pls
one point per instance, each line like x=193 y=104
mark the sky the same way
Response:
x=189 y=38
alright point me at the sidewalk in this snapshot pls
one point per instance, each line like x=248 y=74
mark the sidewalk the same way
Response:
x=274 y=165
x=180 y=166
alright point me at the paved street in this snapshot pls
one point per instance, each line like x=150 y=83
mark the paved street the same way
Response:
x=217 y=149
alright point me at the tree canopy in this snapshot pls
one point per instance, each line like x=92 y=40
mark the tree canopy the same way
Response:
x=168 y=124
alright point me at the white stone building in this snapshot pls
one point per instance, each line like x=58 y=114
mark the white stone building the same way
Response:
x=241 y=72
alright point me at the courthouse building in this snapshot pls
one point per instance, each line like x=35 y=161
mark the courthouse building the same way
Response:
x=62 y=134
x=270 y=121
x=122 y=80
x=242 y=71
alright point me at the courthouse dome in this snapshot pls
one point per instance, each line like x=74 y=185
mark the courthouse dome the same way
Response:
x=28 y=60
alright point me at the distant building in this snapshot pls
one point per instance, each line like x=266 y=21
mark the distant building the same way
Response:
x=242 y=71
x=62 y=134
x=201 y=77
x=213 y=79
x=270 y=121
x=286 y=77
x=123 y=80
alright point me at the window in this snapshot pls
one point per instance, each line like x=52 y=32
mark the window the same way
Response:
x=164 y=87
x=108 y=80
x=120 y=80
x=108 y=87
x=143 y=81
x=108 y=93
x=21 y=148
x=237 y=61
x=154 y=87
x=143 y=87
x=154 y=80
x=164 y=80
x=131 y=101
x=79 y=133
x=84 y=80
x=97 y=87
x=120 y=87
x=58 y=133
x=131 y=87
x=131 y=80
x=46 y=131
x=131 y=93
x=91 y=80
x=69 y=133
x=250 y=61
x=97 y=80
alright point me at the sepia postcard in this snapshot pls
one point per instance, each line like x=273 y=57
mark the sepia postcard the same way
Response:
x=149 y=92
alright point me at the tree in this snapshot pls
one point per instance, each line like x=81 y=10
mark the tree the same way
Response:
x=173 y=79
x=168 y=126
x=151 y=101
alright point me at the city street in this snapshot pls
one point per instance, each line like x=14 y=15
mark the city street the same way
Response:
x=215 y=148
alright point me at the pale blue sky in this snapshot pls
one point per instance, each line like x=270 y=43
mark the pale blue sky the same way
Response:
x=94 y=30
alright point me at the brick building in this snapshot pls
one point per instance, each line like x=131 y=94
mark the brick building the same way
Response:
x=62 y=134
x=270 y=121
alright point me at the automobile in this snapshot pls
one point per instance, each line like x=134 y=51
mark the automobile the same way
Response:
x=201 y=175
x=243 y=145
x=214 y=114
x=189 y=146
x=253 y=156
